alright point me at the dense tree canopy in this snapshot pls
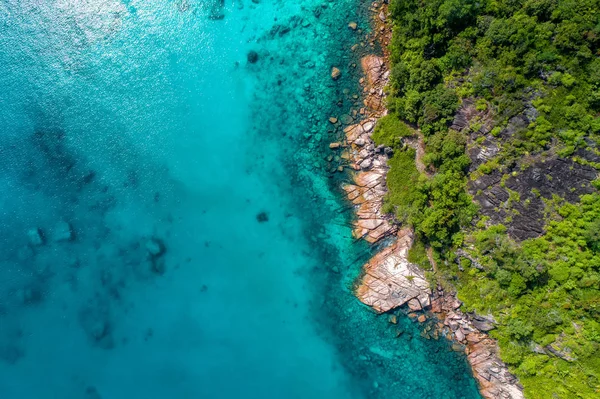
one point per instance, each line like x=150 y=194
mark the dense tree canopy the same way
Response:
x=511 y=56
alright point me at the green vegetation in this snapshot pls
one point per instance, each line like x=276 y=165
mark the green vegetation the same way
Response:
x=544 y=292
x=403 y=183
x=436 y=206
x=535 y=57
x=418 y=255
x=389 y=130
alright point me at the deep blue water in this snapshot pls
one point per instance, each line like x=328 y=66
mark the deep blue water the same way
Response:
x=140 y=125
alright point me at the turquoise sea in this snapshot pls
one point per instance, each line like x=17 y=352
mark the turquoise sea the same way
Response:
x=170 y=224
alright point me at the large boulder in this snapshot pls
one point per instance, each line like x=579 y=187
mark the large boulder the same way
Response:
x=390 y=280
x=62 y=231
x=35 y=237
x=335 y=73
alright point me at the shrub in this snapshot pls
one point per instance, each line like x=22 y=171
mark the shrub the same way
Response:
x=389 y=130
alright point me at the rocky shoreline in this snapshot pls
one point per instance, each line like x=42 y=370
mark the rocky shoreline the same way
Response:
x=389 y=281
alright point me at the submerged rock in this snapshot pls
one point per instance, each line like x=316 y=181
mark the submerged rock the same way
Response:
x=217 y=10
x=158 y=265
x=252 y=57
x=10 y=354
x=30 y=295
x=35 y=237
x=95 y=322
x=99 y=329
x=92 y=393
x=155 y=247
x=262 y=217
x=216 y=15
x=62 y=232
x=346 y=119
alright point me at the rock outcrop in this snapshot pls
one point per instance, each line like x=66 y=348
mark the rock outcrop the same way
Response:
x=390 y=281
x=377 y=77
x=369 y=187
x=516 y=198
x=495 y=381
x=514 y=194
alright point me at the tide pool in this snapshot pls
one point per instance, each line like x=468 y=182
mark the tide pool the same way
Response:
x=171 y=223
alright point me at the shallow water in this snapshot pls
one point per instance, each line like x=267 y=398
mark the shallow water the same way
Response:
x=142 y=126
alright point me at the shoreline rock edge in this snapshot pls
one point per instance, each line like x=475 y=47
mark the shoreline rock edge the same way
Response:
x=389 y=280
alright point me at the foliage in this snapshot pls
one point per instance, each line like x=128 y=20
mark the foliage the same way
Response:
x=544 y=291
x=418 y=255
x=389 y=130
x=539 y=57
x=404 y=183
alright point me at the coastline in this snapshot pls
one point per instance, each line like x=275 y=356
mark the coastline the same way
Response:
x=389 y=281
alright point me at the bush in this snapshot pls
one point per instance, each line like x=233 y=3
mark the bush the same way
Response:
x=389 y=130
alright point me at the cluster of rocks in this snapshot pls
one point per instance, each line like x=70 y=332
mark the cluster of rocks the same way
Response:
x=377 y=77
x=62 y=231
x=469 y=329
x=369 y=188
x=280 y=29
x=389 y=280
x=67 y=246
x=361 y=152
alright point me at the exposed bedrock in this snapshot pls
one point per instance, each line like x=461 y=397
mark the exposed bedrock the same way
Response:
x=514 y=196
x=523 y=212
x=368 y=188
x=390 y=280
x=377 y=76
x=469 y=329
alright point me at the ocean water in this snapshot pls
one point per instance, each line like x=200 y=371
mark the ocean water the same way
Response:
x=171 y=225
